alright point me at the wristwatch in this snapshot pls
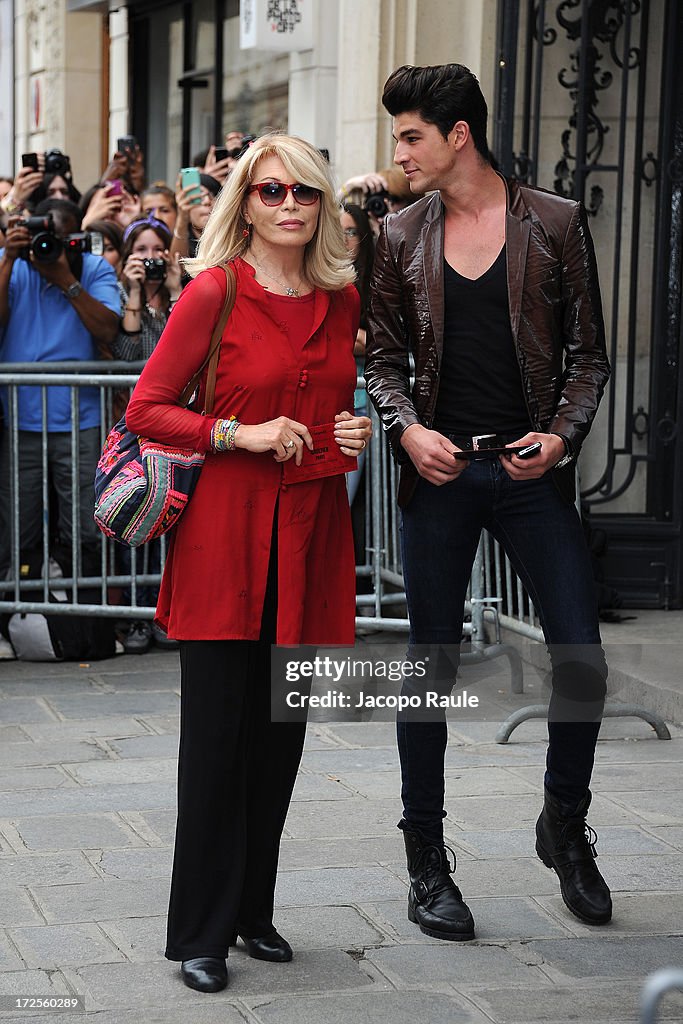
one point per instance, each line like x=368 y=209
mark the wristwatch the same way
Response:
x=73 y=291
x=568 y=453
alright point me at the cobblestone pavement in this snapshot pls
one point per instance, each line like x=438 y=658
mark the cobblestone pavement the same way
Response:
x=87 y=796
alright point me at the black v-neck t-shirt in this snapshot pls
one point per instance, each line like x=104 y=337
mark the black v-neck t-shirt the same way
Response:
x=480 y=389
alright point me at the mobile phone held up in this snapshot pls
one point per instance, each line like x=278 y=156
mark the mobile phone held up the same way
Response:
x=126 y=144
x=190 y=176
x=221 y=153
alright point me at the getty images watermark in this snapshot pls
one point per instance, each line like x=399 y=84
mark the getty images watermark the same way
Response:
x=379 y=682
x=367 y=682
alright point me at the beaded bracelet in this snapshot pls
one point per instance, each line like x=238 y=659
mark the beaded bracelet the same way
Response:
x=223 y=434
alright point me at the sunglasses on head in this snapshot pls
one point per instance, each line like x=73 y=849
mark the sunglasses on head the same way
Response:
x=273 y=193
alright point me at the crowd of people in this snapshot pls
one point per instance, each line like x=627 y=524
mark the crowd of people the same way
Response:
x=127 y=270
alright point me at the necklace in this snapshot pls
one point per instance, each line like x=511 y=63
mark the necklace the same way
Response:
x=151 y=310
x=292 y=292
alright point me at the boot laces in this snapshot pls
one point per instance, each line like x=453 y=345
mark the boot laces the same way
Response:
x=435 y=874
x=580 y=832
x=442 y=852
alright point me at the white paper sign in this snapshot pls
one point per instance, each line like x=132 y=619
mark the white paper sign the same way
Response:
x=283 y=25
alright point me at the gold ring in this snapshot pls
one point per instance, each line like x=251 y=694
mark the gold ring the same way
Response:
x=363 y=444
x=290 y=444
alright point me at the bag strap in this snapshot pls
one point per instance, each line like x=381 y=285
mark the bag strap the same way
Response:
x=214 y=349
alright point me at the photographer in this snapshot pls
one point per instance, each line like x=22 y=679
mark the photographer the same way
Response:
x=379 y=194
x=56 y=181
x=54 y=306
x=150 y=284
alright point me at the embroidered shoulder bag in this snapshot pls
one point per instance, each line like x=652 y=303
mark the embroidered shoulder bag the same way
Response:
x=141 y=486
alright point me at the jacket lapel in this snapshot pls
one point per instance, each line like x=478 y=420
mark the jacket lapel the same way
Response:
x=517 y=231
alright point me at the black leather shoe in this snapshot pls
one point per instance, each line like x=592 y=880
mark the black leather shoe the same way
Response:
x=434 y=901
x=270 y=947
x=566 y=843
x=205 y=973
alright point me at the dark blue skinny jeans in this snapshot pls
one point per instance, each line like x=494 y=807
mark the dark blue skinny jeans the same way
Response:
x=543 y=538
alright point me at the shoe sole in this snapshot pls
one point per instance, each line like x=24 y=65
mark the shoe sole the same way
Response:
x=543 y=856
x=447 y=936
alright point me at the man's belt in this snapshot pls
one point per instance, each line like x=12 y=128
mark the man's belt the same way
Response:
x=479 y=442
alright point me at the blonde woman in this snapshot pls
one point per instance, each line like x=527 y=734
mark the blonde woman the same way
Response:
x=254 y=560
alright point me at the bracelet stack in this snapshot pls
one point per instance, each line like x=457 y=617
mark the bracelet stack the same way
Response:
x=223 y=434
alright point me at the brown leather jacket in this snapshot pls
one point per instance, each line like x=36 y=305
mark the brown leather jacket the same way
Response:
x=555 y=316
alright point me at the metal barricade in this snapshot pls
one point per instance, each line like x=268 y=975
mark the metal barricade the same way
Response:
x=382 y=608
x=657 y=984
x=31 y=592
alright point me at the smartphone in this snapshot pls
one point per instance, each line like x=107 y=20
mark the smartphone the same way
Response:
x=126 y=144
x=529 y=451
x=478 y=454
x=190 y=176
x=30 y=160
x=115 y=187
x=222 y=153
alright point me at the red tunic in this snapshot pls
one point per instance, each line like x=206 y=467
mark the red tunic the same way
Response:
x=215 y=576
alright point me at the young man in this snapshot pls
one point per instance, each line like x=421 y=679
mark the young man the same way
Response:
x=493 y=288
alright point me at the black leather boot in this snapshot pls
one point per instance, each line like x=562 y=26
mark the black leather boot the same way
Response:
x=434 y=901
x=566 y=843
x=205 y=973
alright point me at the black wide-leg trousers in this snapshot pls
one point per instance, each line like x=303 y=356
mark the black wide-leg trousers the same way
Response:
x=236 y=774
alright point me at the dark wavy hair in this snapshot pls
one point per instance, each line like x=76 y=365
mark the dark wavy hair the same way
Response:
x=365 y=256
x=40 y=194
x=441 y=95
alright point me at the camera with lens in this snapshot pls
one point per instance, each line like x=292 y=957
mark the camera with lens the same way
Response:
x=57 y=162
x=155 y=269
x=46 y=246
x=376 y=205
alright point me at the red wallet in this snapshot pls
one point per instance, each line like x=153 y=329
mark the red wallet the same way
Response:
x=326 y=459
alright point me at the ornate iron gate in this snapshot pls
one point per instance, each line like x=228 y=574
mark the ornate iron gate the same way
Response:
x=589 y=103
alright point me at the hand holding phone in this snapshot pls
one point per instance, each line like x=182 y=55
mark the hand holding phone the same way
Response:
x=481 y=454
x=126 y=144
x=189 y=176
x=529 y=451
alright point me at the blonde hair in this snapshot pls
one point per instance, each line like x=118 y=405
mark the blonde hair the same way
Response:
x=326 y=260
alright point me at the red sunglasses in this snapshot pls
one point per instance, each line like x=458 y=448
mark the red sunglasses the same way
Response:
x=274 y=193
